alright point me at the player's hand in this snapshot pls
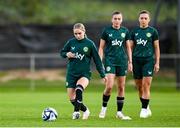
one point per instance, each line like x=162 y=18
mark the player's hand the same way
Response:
x=130 y=67
x=105 y=79
x=70 y=55
x=156 y=68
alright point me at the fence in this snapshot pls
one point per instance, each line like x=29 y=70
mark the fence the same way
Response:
x=35 y=62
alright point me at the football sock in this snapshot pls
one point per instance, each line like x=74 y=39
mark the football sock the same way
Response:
x=145 y=103
x=120 y=102
x=140 y=99
x=83 y=107
x=105 y=100
x=79 y=90
x=73 y=102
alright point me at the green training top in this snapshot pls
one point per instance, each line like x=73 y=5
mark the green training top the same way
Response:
x=143 y=39
x=84 y=50
x=115 y=52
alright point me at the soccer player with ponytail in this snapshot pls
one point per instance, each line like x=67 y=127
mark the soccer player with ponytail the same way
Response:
x=79 y=51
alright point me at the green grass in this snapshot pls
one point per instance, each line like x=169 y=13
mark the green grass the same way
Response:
x=25 y=108
x=21 y=106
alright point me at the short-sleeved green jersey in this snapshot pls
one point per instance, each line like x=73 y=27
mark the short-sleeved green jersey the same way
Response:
x=143 y=39
x=115 y=39
x=84 y=50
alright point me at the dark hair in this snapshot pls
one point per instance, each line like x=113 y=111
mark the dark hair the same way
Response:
x=116 y=13
x=144 y=12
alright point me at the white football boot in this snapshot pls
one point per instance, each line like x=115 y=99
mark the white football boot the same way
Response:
x=102 y=114
x=121 y=116
x=86 y=114
x=148 y=108
x=145 y=113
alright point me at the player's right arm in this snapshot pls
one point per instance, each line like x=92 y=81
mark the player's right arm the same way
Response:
x=129 y=53
x=65 y=52
x=101 y=48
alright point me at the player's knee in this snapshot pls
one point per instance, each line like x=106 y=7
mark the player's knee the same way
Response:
x=108 y=90
x=79 y=88
x=121 y=88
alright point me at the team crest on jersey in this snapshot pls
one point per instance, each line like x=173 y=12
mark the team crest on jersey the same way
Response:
x=108 y=68
x=148 y=34
x=85 y=49
x=123 y=35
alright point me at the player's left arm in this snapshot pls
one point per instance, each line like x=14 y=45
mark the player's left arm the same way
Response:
x=157 y=56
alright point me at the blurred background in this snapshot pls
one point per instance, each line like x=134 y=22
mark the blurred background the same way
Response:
x=33 y=32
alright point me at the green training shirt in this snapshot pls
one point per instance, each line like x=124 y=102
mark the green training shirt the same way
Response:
x=143 y=39
x=84 y=50
x=115 y=39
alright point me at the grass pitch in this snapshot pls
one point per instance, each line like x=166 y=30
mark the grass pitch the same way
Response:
x=22 y=107
x=25 y=108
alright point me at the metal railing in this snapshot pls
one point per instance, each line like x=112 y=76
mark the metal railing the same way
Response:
x=35 y=61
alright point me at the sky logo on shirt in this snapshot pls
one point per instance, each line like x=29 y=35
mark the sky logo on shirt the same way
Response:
x=117 y=42
x=79 y=56
x=140 y=41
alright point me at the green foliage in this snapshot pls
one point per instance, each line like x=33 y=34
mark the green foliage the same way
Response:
x=70 y=11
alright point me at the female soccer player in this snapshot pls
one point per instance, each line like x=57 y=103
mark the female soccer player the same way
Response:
x=79 y=51
x=114 y=43
x=145 y=44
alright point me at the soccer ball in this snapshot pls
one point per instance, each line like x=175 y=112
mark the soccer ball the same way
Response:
x=49 y=114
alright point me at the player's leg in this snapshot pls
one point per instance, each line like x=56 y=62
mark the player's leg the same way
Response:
x=108 y=88
x=146 y=84
x=138 y=83
x=138 y=75
x=121 y=78
x=139 y=87
x=145 y=111
x=82 y=83
x=107 y=94
x=71 y=94
x=70 y=85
